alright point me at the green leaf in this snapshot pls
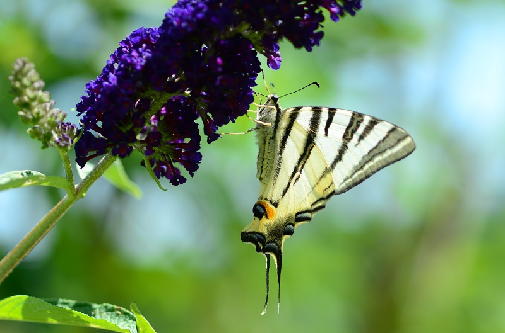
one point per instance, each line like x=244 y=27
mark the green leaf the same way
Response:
x=68 y=312
x=151 y=172
x=142 y=323
x=24 y=178
x=118 y=177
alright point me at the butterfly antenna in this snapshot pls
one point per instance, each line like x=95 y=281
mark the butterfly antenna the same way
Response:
x=265 y=82
x=260 y=94
x=268 y=283
x=308 y=85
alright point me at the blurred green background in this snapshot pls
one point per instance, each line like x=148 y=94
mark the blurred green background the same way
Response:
x=419 y=247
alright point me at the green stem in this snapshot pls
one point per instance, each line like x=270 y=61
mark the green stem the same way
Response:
x=68 y=167
x=21 y=250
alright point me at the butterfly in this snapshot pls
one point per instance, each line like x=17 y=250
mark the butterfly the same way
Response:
x=308 y=154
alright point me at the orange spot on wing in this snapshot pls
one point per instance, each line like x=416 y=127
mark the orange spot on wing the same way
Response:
x=270 y=210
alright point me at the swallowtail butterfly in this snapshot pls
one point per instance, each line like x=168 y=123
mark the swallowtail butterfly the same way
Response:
x=307 y=154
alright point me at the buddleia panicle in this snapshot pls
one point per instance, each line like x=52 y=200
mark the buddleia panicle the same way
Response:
x=37 y=109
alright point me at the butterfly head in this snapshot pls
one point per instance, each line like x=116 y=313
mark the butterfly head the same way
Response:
x=267 y=233
x=270 y=110
x=273 y=99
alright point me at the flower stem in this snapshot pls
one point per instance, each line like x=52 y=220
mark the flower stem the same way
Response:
x=26 y=245
x=68 y=168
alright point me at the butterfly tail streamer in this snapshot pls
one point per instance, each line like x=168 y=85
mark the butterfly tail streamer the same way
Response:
x=279 y=267
x=278 y=263
x=267 y=256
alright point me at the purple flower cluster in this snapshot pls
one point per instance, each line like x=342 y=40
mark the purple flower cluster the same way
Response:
x=64 y=135
x=200 y=63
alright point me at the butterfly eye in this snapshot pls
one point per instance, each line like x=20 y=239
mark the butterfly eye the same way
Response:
x=289 y=230
x=259 y=211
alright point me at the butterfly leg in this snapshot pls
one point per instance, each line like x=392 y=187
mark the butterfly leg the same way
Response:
x=238 y=133
x=241 y=133
x=251 y=129
x=262 y=123
x=258 y=121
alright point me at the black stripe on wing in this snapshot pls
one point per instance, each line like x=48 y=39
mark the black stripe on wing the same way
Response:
x=368 y=129
x=352 y=127
x=306 y=215
x=293 y=114
x=402 y=136
x=329 y=121
x=278 y=114
x=309 y=144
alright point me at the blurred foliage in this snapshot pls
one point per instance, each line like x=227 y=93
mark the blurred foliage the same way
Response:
x=416 y=248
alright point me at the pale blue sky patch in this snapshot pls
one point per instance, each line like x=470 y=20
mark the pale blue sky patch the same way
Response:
x=21 y=209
